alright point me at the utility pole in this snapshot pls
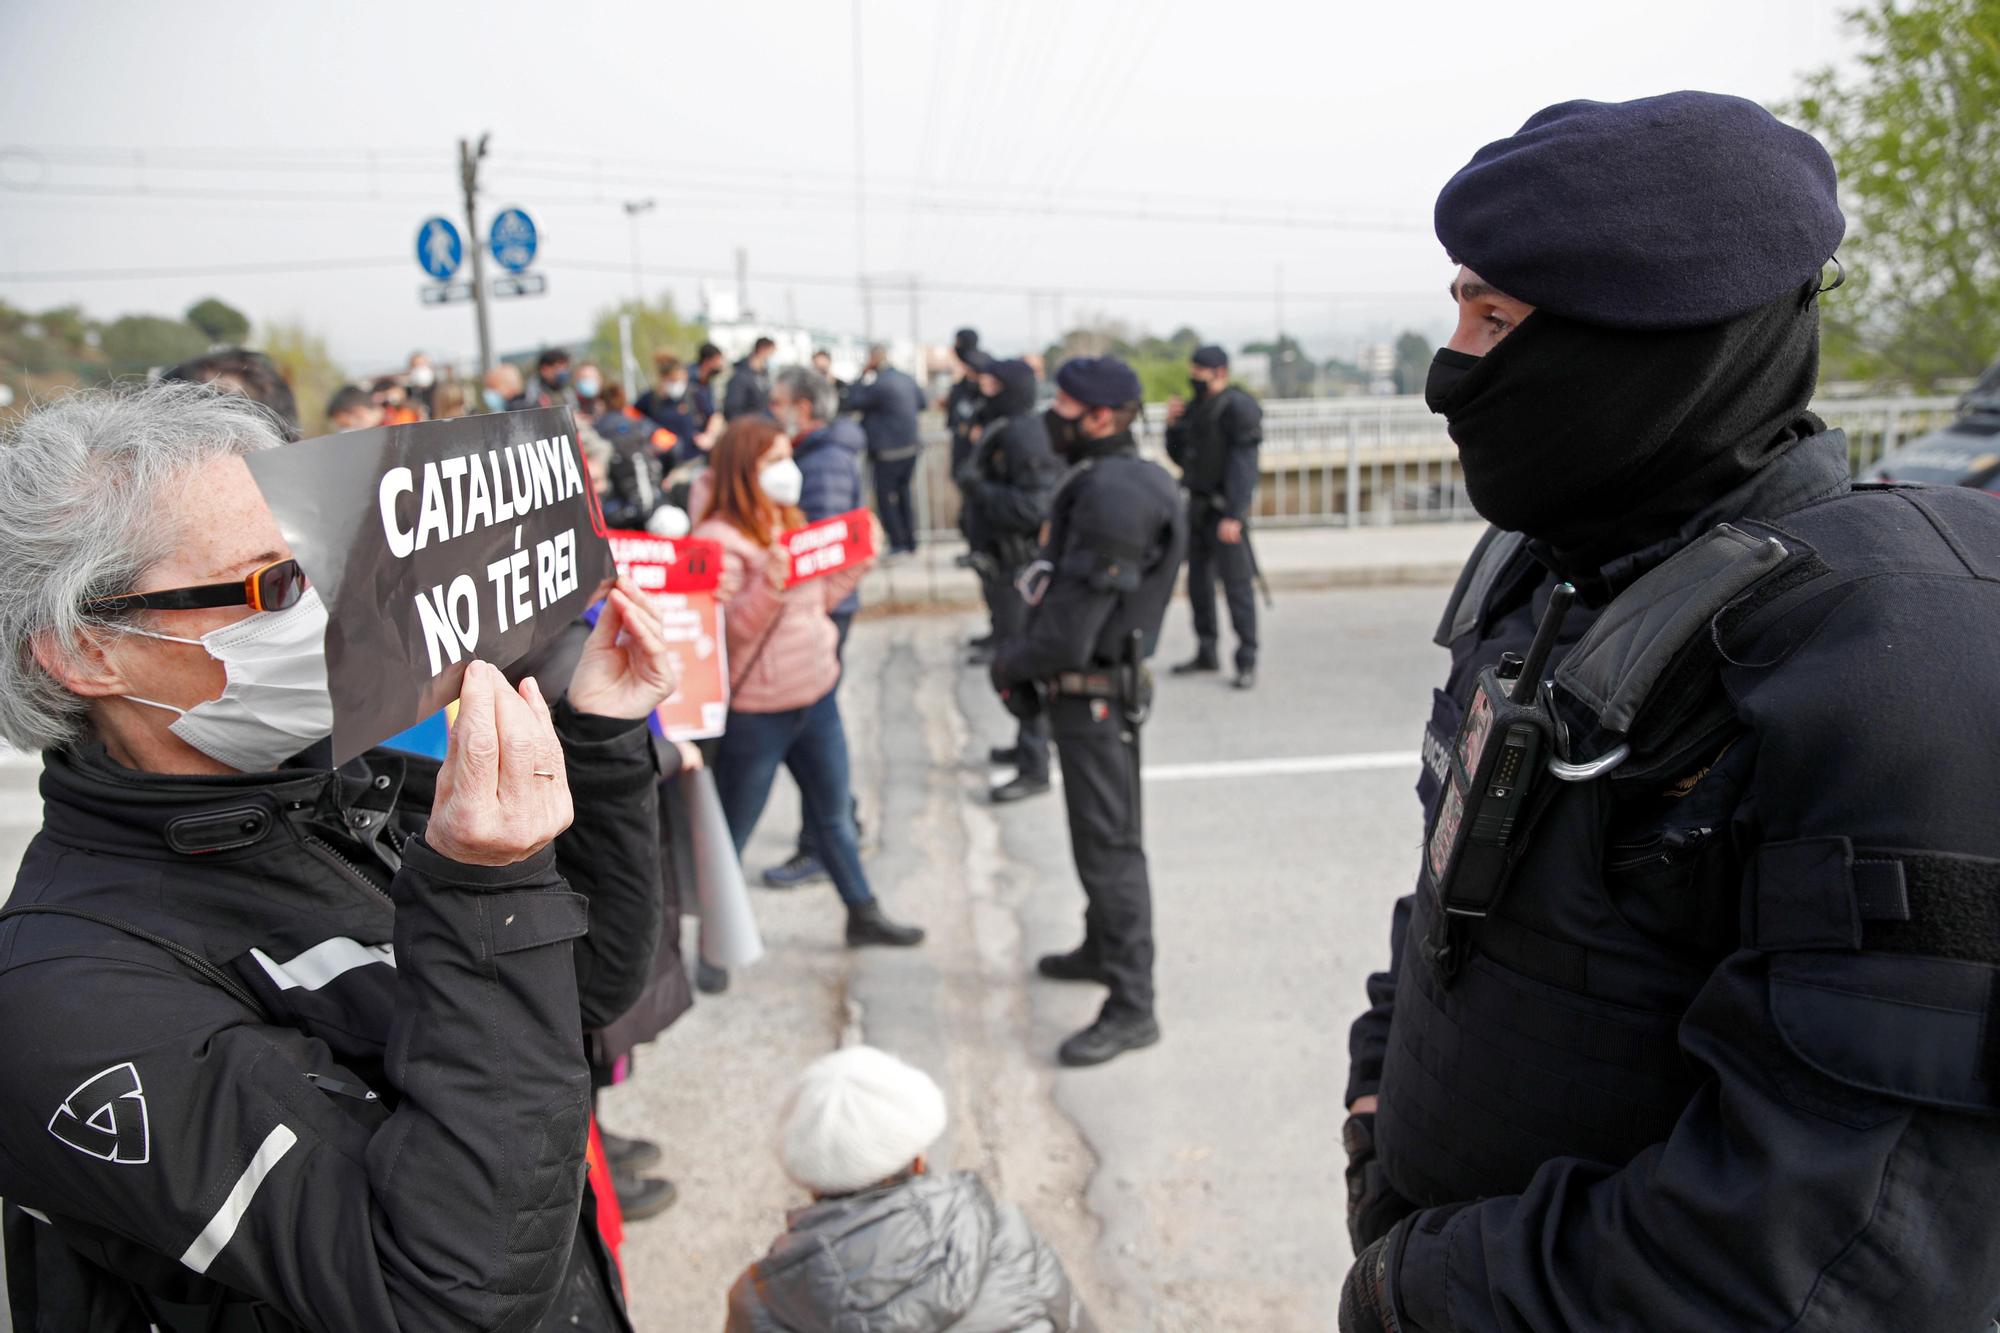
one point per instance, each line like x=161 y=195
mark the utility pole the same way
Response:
x=468 y=181
x=916 y=342
x=742 y=283
x=633 y=208
x=860 y=189
x=1279 y=355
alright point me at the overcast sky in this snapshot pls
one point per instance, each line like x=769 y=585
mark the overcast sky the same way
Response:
x=1160 y=161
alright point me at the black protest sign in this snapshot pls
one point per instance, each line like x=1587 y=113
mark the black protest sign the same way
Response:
x=434 y=544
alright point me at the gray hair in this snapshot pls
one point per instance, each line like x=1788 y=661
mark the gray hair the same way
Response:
x=809 y=386
x=85 y=484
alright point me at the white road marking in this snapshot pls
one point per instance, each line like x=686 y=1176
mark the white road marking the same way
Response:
x=1280 y=766
x=1275 y=766
x=228 y=1217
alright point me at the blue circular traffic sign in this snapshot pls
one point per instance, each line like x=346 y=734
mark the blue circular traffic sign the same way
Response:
x=512 y=240
x=439 y=249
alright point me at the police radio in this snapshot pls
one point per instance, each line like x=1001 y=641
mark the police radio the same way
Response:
x=1493 y=770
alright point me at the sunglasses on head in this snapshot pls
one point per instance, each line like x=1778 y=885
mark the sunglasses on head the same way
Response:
x=272 y=587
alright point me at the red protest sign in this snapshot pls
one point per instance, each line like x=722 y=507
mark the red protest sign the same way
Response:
x=830 y=545
x=680 y=576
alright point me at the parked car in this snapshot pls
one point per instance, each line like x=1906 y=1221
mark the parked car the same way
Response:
x=1965 y=453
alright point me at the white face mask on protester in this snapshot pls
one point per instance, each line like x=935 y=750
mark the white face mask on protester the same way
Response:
x=782 y=481
x=422 y=377
x=276 y=701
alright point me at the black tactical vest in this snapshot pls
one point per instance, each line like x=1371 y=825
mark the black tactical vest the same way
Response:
x=1548 y=1028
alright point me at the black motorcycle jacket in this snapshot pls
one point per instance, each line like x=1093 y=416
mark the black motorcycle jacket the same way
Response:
x=372 y=1114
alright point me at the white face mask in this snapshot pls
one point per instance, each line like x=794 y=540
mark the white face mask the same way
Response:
x=782 y=481
x=674 y=388
x=276 y=701
x=422 y=377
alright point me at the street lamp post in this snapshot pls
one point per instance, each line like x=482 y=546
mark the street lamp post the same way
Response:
x=633 y=208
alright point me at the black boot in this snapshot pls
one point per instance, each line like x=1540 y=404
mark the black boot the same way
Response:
x=1202 y=663
x=627 y=1156
x=641 y=1197
x=1076 y=965
x=1113 y=1034
x=866 y=924
x=1019 y=788
x=1009 y=755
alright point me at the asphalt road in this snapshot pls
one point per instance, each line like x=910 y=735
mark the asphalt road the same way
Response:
x=1280 y=826
x=1194 y=1186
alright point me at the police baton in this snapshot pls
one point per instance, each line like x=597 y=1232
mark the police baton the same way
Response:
x=1256 y=570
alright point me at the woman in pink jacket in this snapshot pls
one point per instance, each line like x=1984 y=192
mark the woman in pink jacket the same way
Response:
x=783 y=664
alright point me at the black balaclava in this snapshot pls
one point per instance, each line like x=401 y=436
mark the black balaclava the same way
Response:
x=1599 y=442
x=1017 y=390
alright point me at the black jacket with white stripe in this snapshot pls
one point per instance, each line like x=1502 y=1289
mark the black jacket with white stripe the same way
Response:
x=390 y=1136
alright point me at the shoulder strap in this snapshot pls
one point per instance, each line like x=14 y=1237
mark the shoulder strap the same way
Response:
x=208 y=971
x=1630 y=646
x=1495 y=551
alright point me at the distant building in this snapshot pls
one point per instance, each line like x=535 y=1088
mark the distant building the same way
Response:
x=1378 y=363
x=1252 y=370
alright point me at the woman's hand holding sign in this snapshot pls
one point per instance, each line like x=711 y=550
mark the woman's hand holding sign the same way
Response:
x=625 y=670
x=502 y=794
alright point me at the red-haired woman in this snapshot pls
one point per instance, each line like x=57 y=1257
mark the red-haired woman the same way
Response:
x=783 y=663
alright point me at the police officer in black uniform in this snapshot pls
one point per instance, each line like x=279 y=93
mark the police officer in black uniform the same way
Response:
x=1116 y=538
x=1214 y=441
x=963 y=405
x=1689 y=1024
x=1008 y=482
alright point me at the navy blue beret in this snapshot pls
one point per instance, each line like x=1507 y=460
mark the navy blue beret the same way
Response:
x=1099 y=381
x=1662 y=213
x=1210 y=357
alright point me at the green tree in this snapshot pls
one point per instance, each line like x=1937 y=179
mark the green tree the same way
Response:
x=223 y=323
x=1160 y=363
x=1413 y=361
x=134 y=344
x=656 y=328
x=301 y=357
x=1914 y=130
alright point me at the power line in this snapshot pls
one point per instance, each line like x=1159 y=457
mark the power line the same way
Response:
x=1260 y=295
x=202 y=270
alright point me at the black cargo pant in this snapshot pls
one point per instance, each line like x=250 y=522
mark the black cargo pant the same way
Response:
x=1010 y=619
x=1099 y=750
x=894 y=504
x=1208 y=555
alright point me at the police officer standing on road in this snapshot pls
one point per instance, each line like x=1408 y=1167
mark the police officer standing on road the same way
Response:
x=1008 y=483
x=1689 y=1024
x=1098 y=592
x=1213 y=441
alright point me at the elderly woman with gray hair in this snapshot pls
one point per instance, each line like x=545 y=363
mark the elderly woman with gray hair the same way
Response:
x=291 y=1046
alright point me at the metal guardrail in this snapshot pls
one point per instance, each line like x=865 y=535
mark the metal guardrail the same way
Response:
x=1351 y=462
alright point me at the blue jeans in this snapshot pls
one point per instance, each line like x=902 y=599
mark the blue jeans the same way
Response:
x=811 y=743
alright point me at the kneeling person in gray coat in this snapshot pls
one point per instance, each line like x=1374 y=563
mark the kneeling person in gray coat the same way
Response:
x=887 y=1247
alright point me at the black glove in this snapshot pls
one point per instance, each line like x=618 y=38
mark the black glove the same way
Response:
x=1022 y=698
x=1373 y=1206
x=1365 y=1303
